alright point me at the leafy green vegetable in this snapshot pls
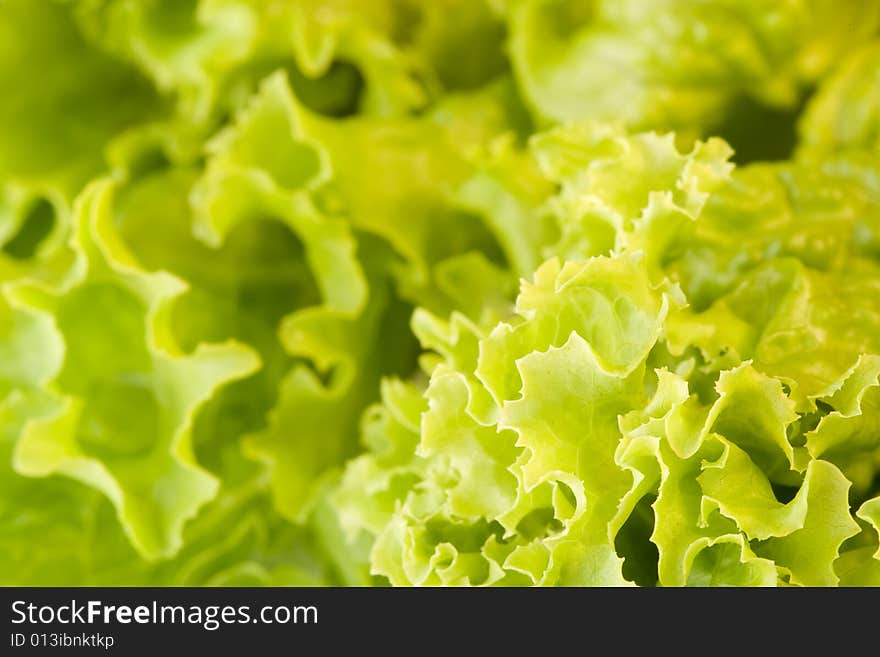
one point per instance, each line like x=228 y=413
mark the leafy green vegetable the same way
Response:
x=454 y=292
x=673 y=64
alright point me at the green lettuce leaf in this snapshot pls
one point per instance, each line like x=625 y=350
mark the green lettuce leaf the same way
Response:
x=539 y=458
x=843 y=115
x=675 y=65
x=64 y=99
x=122 y=395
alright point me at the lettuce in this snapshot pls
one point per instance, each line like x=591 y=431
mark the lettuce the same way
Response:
x=676 y=65
x=687 y=386
x=439 y=293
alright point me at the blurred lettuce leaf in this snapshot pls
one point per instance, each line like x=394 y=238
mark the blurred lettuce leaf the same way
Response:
x=675 y=65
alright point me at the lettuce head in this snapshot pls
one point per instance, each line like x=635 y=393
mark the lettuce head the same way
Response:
x=439 y=292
